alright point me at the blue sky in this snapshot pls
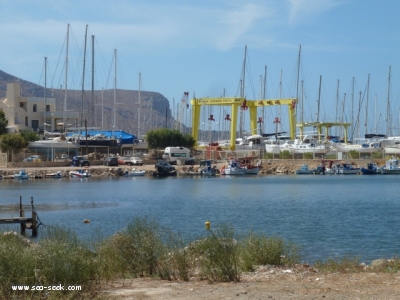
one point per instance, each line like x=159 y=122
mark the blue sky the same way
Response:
x=198 y=47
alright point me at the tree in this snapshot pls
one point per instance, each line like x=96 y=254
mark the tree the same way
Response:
x=163 y=137
x=12 y=143
x=29 y=135
x=3 y=122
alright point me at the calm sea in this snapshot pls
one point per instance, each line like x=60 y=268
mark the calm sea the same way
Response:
x=327 y=216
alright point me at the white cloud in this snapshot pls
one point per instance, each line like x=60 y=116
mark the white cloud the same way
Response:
x=301 y=10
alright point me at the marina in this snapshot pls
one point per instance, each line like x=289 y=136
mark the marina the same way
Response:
x=326 y=216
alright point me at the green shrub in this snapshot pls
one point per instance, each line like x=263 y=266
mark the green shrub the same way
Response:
x=354 y=154
x=308 y=155
x=62 y=258
x=141 y=248
x=219 y=255
x=16 y=263
x=268 y=155
x=261 y=250
x=285 y=154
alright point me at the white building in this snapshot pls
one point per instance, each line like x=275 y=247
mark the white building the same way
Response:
x=33 y=112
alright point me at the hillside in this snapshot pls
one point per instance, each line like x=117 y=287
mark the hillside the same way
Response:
x=152 y=113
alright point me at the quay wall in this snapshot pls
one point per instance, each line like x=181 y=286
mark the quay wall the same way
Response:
x=269 y=166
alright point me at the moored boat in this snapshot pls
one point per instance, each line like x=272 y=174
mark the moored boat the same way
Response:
x=233 y=168
x=248 y=164
x=80 y=173
x=371 y=169
x=391 y=166
x=22 y=174
x=134 y=172
x=304 y=170
x=347 y=169
x=57 y=174
x=206 y=169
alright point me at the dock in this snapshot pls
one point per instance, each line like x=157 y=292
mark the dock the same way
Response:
x=26 y=223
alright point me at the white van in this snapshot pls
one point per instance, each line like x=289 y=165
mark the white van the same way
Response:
x=173 y=154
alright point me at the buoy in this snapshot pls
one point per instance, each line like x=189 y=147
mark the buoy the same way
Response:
x=86 y=221
x=208 y=225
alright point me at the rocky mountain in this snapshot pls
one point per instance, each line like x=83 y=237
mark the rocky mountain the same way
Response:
x=98 y=107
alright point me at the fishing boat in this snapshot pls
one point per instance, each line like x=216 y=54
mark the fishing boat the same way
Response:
x=21 y=174
x=391 y=166
x=134 y=172
x=249 y=165
x=57 y=174
x=347 y=169
x=305 y=170
x=80 y=173
x=206 y=169
x=371 y=169
x=233 y=168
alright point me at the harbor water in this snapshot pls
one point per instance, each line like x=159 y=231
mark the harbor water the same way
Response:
x=326 y=216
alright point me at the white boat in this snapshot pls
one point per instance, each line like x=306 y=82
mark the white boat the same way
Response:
x=80 y=174
x=57 y=174
x=392 y=150
x=391 y=166
x=248 y=164
x=276 y=144
x=306 y=144
x=134 y=172
x=363 y=147
x=233 y=168
x=21 y=174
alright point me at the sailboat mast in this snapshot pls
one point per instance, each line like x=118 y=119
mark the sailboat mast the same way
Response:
x=66 y=81
x=242 y=91
x=375 y=118
x=366 y=106
x=92 y=94
x=352 y=109
x=45 y=88
x=388 y=121
x=302 y=102
x=102 y=108
x=115 y=87
x=83 y=76
x=298 y=74
x=138 y=125
x=337 y=104
x=280 y=97
x=319 y=96
x=263 y=96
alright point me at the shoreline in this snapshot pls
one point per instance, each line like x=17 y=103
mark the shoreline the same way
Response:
x=269 y=167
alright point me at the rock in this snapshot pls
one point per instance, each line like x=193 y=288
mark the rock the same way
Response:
x=378 y=263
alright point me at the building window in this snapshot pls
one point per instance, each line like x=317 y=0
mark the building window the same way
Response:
x=47 y=107
x=34 y=108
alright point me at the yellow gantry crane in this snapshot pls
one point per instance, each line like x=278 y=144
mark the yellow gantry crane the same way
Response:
x=244 y=104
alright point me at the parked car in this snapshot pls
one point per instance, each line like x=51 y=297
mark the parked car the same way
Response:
x=34 y=158
x=190 y=161
x=63 y=156
x=136 y=160
x=164 y=165
x=123 y=160
x=80 y=161
x=110 y=161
